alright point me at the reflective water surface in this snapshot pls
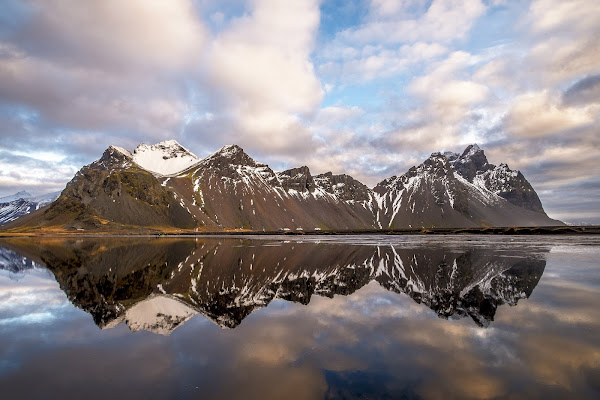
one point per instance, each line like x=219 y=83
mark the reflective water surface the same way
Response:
x=301 y=317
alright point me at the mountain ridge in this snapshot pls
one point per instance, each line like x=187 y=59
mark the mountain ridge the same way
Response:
x=229 y=190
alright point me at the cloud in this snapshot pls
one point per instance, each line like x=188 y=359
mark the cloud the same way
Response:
x=34 y=298
x=442 y=21
x=376 y=63
x=262 y=59
x=446 y=99
x=395 y=37
x=105 y=67
x=81 y=77
x=540 y=114
x=259 y=67
x=499 y=74
x=25 y=172
x=551 y=16
x=584 y=91
x=112 y=35
x=564 y=39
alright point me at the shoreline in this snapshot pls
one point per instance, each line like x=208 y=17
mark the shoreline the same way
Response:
x=545 y=230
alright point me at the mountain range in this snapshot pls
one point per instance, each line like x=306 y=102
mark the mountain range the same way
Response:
x=22 y=203
x=165 y=187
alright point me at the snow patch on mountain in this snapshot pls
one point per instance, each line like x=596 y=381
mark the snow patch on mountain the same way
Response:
x=164 y=158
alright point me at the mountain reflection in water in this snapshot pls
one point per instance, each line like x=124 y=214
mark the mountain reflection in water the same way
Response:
x=159 y=284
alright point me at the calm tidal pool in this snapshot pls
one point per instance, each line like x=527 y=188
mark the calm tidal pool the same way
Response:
x=334 y=317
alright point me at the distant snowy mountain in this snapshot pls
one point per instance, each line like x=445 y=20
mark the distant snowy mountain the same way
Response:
x=19 y=195
x=166 y=186
x=22 y=203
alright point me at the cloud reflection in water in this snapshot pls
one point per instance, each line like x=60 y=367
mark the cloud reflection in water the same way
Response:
x=372 y=342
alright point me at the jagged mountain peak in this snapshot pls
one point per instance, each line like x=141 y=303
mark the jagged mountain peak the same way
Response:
x=231 y=154
x=230 y=150
x=471 y=162
x=23 y=194
x=450 y=155
x=303 y=170
x=114 y=157
x=436 y=164
x=111 y=149
x=471 y=150
x=298 y=179
x=22 y=203
x=343 y=186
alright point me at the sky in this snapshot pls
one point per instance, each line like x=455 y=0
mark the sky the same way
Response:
x=367 y=87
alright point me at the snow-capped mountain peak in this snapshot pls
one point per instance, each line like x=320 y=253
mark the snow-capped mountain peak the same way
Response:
x=23 y=203
x=19 y=195
x=121 y=150
x=164 y=158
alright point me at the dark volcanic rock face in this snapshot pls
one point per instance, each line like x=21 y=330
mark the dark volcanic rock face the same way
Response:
x=471 y=162
x=159 y=285
x=112 y=158
x=298 y=179
x=511 y=185
x=343 y=187
x=228 y=158
x=426 y=196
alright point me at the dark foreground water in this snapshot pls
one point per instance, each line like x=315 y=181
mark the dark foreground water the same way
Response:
x=301 y=318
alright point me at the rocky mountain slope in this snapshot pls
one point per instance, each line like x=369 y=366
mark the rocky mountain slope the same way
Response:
x=22 y=203
x=160 y=285
x=166 y=187
x=450 y=190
